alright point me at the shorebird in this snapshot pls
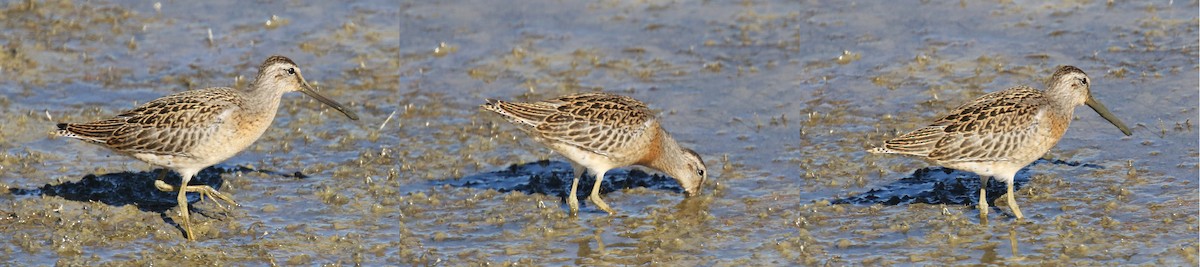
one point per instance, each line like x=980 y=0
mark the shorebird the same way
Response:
x=600 y=132
x=191 y=130
x=999 y=133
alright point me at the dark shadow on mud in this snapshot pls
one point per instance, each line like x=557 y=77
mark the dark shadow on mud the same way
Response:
x=938 y=185
x=136 y=188
x=554 y=178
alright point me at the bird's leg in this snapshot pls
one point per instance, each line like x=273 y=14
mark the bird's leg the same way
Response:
x=1012 y=201
x=163 y=186
x=595 y=197
x=572 y=199
x=208 y=191
x=204 y=190
x=983 y=206
x=183 y=207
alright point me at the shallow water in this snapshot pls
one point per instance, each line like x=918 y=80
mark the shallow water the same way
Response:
x=69 y=203
x=780 y=97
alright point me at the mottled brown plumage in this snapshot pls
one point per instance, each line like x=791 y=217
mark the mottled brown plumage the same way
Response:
x=171 y=125
x=600 y=132
x=191 y=130
x=999 y=133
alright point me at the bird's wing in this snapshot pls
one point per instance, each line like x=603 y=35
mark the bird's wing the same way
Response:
x=984 y=129
x=171 y=125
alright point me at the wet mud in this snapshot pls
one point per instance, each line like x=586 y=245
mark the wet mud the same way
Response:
x=67 y=203
x=782 y=99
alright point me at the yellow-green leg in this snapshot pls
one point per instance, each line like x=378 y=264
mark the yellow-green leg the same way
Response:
x=183 y=204
x=183 y=188
x=572 y=200
x=983 y=206
x=1012 y=201
x=595 y=197
x=204 y=190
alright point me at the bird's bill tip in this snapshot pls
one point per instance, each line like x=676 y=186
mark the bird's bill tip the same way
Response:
x=1103 y=111
x=308 y=90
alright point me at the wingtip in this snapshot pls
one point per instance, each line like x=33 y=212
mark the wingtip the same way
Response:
x=62 y=130
x=490 y=104
x=879 y=150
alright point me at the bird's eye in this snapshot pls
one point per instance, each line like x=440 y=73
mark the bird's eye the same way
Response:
x=291 y=71
x=1083 y=81
x=700 y=173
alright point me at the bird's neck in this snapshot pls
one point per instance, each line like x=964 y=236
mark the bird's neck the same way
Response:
x=664 y=153
x=262 y=98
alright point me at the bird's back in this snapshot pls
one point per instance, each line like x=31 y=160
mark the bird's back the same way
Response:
x=597 y=122
x=1000 y=126
x=170 y=125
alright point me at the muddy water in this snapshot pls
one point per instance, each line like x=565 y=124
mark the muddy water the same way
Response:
x=66 y=202
x=782 y=98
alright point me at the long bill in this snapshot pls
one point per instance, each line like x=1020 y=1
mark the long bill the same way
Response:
x=307 y=89
x=1103 y=111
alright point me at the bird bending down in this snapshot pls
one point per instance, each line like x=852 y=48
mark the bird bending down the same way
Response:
x=191 y=130
x=600 y=132
x=999 y=133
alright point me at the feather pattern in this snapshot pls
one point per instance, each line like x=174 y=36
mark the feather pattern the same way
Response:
x=191 y=130
x=599 y=132
x=999 y=133
x=986 y=129
x=600 y=123
x=171 y=125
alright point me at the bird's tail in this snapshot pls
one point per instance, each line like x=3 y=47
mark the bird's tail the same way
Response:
x=97 y=132
x=529 y=114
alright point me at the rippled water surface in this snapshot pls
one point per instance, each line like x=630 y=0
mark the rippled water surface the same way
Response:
x=780 y=97
x=306 y=194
